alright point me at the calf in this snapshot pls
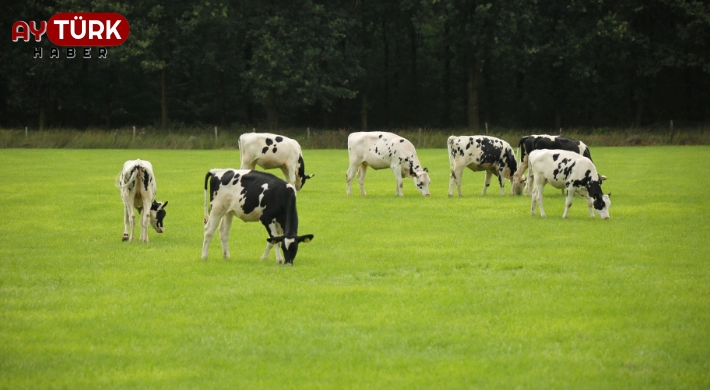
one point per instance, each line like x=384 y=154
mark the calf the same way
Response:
x=271 y=151
x=137 y=185
x=381 y=150
x=252 y=196
x=567 y=170
x=536 y=142
x=480 y=153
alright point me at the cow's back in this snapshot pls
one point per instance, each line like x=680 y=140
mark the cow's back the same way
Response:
x=560 y=166
x=268 y=150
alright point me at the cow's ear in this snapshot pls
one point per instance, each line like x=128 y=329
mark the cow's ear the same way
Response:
x=426 y=170
x=275 y=240
x=310 y=176
x=609 y=194
x=305 y=238
x=162 y=206
x=602 y=177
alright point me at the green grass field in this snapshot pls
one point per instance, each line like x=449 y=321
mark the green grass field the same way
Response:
x=408 y=292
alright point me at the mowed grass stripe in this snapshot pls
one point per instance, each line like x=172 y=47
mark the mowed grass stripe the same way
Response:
x=408 y=292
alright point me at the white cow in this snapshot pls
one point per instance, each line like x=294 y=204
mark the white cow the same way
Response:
x=138 y=187
x=480 y=153
x=271 y=151
x=567 y=170
x=381 y=150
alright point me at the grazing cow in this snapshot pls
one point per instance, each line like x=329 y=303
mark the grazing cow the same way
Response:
x=567 y=170
x=381 y=150
x=480 y=153
x=253 y=196
x=271 y=151
x=137 y=184
x=536 y=142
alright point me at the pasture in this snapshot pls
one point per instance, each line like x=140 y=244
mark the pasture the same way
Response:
x=408 y=292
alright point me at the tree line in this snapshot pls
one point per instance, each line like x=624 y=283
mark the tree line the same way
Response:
x=368 y=64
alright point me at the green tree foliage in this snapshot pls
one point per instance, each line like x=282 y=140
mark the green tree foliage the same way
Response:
x=369 y=64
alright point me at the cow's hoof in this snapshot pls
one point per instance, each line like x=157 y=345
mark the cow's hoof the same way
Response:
x=125 y=237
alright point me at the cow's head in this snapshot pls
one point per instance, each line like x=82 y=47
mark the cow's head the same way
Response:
x=518 y=183
x=157 y=214
x=301 y=180
x=301 y=176
x=602 y=202
x=421 y=180
x=290 y=245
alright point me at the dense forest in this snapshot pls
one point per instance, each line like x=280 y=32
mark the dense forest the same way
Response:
x=368 y=64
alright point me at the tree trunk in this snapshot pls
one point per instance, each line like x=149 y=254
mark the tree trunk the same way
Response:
x=363 y=110
x=221 y=99
x=413 y=63
x=474 y=76
x=446 y=113
x=42 y=117
x=164 y=98
x=386 y=86
x=272 y=114
x=639 y=113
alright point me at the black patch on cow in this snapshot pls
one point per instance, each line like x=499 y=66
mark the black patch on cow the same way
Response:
x=490 y=152
x=568 y=170
x=376 y=150
x=146 y=179
x=269 y=141
x=274 y=149
x=380 y=136
x=227 y=177
x=266 y=149
x=401 y=140
x=236 y=178
x=555 y=156
x=279 y=139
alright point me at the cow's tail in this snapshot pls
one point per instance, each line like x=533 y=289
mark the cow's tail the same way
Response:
x=207 y=211
x=449 y=145
x=134 y=173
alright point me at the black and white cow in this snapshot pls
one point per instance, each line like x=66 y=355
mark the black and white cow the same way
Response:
x=381 y=150
x=252 y=196
x=271 y=151
x=138 y=188
x=480 y=153
x=567 y=170
x=536 y=142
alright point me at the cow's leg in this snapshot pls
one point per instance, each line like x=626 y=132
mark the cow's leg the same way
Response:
x=210 y=227
x=350 y=175
x=455 y=178
x=537 y=195
x=532 y=203
x=528 y=182
x=289 y=175
x=568 y=200
x=145 y=218
x=279 y=255
x=397 y=170
x=273 y=232
x=132 y=222
x=224 y=233
x=500 y=181
x=361 y=178
x=487 y=183
x=590 y=204
x=126 y=222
